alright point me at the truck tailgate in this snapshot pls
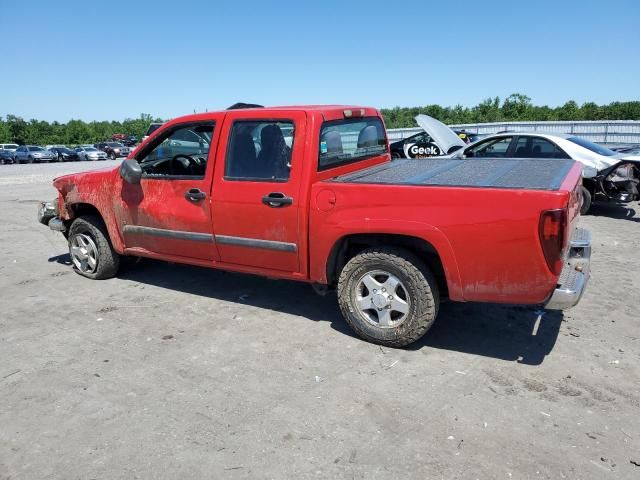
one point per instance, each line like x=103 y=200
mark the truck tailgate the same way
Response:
x=522 y=173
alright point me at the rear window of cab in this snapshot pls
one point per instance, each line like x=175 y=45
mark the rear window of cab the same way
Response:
x=350 y=140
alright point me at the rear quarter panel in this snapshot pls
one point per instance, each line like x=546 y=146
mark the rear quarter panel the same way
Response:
x=486 y=238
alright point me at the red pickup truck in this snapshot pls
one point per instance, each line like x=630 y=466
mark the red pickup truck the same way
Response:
x=309 y=193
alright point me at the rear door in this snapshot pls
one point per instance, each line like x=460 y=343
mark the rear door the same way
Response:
x=256 y=190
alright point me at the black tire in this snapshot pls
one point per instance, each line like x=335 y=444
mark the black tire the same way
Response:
x=30 y=160
x=108 y=260
x=112 y=156
x=417 y=281
x=586 y=201
x=395 y=156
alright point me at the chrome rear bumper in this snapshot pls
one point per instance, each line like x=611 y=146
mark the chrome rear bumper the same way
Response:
x=575 y=274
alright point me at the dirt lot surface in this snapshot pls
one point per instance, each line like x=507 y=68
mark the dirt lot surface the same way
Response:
x=171 y=371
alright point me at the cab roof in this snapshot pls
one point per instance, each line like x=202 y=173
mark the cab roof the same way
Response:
x=332 y=111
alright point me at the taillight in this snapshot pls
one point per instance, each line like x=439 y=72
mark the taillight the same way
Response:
x=552 y=231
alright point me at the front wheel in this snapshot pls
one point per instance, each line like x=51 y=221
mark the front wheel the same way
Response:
x=388 y=296
x=112 y=156
x=92 y=254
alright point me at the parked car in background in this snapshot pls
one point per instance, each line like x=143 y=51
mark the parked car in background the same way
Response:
x=420 y=145
x=629 y=150
x=606 y=174
x=7 y=152
x=89 y=152
x=468 y=137
x=113 y=149
x=64 y=154
x=130 y=141
x=6 y=156
x=152 y=128
x=9 y=146
x=32 y=153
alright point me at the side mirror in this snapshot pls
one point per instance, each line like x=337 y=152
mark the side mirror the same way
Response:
x=131 y=172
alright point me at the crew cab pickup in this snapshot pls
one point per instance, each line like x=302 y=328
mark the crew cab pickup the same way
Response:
x=309 y=193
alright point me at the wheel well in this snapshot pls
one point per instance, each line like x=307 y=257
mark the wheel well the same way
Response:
x=348 y=247
x=590 y=185
x=81 y=209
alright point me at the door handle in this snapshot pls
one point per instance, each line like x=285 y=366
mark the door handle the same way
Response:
x=195 y=195
x=276 y=200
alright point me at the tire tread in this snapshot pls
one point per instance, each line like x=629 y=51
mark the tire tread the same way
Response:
x=418 y=273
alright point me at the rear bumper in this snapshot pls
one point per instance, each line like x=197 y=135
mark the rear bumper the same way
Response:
x=575 y=274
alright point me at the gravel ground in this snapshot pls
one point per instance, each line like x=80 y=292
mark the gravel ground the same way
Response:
x=172 y=371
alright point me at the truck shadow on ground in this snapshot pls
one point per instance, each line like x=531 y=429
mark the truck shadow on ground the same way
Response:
x=510 y=333
x=614 y=210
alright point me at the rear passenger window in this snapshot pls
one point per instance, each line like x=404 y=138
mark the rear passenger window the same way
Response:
x=260 y=151
x=537 y=147
x=350 y=140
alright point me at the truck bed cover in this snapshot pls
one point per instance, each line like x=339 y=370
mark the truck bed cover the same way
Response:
x=521 y=173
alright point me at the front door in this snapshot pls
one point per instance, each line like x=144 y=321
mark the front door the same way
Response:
x=169 y=212
x=256 y=202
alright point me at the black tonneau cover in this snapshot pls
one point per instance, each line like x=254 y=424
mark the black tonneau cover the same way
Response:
x=524 y=173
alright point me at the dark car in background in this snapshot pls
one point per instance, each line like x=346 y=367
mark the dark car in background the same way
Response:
x=32 y=153
x=420 y=145
x=6 y=156
x=130 y=141
x=65 y=154
x=7 y=152
x=152 y=128
x=113 y=149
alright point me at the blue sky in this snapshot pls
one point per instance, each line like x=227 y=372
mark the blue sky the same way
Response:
x=115 y=59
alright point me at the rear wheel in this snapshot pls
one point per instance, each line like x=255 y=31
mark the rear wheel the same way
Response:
x=30 y=160
x=388 y=296
x=586 y=201
x=92 y=254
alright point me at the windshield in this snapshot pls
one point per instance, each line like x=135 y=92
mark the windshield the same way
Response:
x=64 y=150
x=115 y=145
x=90 y=149
x=10 y=146
x=36 y=149
x=599 y=149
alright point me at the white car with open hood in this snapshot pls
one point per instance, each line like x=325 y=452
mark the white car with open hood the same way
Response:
x=606 y=174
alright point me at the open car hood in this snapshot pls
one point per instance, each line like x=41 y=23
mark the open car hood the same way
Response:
x=444 y=137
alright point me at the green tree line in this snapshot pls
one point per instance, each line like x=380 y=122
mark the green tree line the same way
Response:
x=14 y=129
x=515 y=107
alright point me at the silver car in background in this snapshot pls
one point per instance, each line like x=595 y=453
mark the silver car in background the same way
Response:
x=31 y=154
x=89 y=152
